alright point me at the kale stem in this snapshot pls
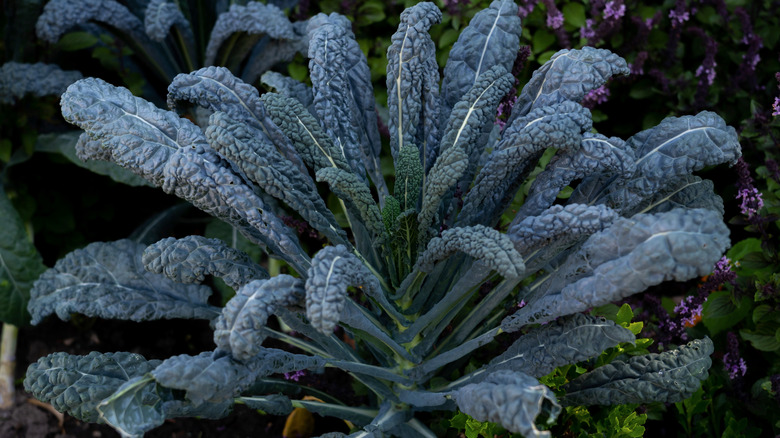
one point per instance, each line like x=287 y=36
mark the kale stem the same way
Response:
x=8 y=365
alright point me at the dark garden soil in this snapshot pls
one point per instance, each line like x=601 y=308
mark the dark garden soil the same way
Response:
x=154 y=340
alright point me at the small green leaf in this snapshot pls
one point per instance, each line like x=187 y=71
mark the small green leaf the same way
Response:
x=448 y=37
x=73 y=41
x=720 y=313
x=297 y=71
x=370 y=12
x=574 y=14
x=541 y=41
x=624 y=315
x=743 y=248
x=764 y=337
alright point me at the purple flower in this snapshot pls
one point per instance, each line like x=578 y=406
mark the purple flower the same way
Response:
x=707 y=71
x=614 y=10
x=776 y=107
x=595 y=97
x=751 y=201
x=587 y=31
x=679 y=14
x=294 y=375
x=637 y=67
x=503 y=111
x=734 y=365
x=525 y=8
x=689 y=310
x=554 y=19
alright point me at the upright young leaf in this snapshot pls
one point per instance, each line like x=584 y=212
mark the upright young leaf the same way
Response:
x=511 y=398
x=108 y=280
x=287 y=87
x=39 y=79
x=239 y=329
x=190 y=259
x=485 y=244
x=413 y=83
x=76 y=384
x=568 y=75
x=332 y=270
x=20 y=265
x=668 y=377
x=491 y=38
x=626 y=258
x=408 y=178
x=356 y=194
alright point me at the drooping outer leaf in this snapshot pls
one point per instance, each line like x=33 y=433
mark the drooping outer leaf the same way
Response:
x=209 y=378
x=688 y=191
x=258 y=160
x=216 y=89
x=668 y=377
x=254 y=18
x=491 y=38
x=60 y=15
x=511 y=398
x=173 y=153
x=413 y=82
x=559 y=226
x=135 y=407
x=239 y=328
x=160 y=16
x=90 y=154
x=20 y=265
x=483 y=243
x=332 y=270
x=674 y=148
x=39 y=79
x=76 y=384
x=108 y=280
x=568 y=340
x=190 y=259
x=626 y=258
x=568 y=75
x=310 y=140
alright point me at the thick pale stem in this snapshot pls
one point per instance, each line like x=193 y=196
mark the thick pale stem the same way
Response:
x=7 y=365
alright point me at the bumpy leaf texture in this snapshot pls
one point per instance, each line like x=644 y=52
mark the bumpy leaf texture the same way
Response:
x=59 y=16
x=512 y=399
x=668 y=377
x=160 y=16
x=413 y=83
x=39 y=79
x=108 y=280
x=20 y=265
x=485 y=244
x=190 y=259
x=628 y=257
x=134 y=408
x=173 y=153
x=239 y=328
x=76 y=384
x=332 y=271
x=288 y=87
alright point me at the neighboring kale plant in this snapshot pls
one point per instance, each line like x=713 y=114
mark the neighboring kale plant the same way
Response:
x=422 y=278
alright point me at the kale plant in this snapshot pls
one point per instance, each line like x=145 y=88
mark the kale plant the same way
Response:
x=423 y=276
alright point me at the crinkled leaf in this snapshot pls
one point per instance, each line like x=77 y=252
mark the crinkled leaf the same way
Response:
x=258 y=160
x=485 y=244
x=108 y=280
x=20 y=265
x=76 y=384
x=566 y=341
x=688 y=191
x=408 y=178
x=254 y=19
x=491 y=38
x=190 y=259
x=134 y=408
x=288 y=87
x=568 y=75
x=559 y=126
x=332 y=270
x=668 y=377
x=39 y=79
x=61 y=15
x=413 y=83
x=357 y=196
x=628 y=257
x=160 y=16
x=511 y=398
x=239 y=329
